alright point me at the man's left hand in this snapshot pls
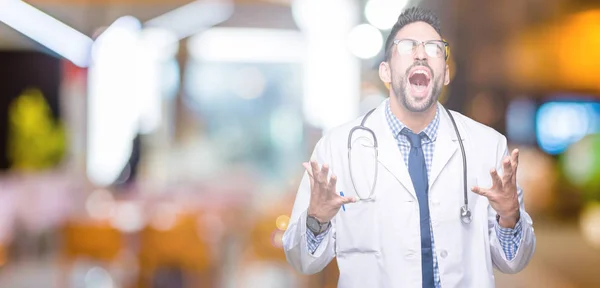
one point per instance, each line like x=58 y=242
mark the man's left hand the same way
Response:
x=503 y=193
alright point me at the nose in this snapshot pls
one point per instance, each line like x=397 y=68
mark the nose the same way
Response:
x=420 y=52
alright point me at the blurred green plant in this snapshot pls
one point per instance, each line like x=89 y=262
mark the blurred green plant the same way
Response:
x=581 y=166
x=35 y=140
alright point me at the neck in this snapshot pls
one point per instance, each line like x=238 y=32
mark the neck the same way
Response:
x=415 y=121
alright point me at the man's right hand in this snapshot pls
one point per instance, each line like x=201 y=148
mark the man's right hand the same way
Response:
x=324 y=199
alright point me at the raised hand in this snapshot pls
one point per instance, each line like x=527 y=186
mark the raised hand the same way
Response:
x=503 y=193
x=324 y=200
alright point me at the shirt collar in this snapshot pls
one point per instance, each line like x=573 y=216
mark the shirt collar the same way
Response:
x=430 y=131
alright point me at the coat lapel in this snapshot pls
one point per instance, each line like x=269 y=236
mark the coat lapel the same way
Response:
x=389 y=153
x=446 y=145
x=391 y=159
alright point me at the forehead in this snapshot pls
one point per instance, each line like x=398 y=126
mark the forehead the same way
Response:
x=418 y=31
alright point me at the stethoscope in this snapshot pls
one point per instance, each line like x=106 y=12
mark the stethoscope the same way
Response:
x=465 y=212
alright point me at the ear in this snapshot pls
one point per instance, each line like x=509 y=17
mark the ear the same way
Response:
x=447 y=75
x=384 y=72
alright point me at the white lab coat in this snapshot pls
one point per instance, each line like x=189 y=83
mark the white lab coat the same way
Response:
x=377 y=243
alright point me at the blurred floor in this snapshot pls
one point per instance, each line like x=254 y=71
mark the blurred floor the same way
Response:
x=555 y=265
x=562 y=260
x=41 y=273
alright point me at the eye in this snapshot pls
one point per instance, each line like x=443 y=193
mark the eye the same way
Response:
x=434 y=50
x=405 y=47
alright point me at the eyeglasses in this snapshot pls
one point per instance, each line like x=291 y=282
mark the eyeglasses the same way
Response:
x=433 y=48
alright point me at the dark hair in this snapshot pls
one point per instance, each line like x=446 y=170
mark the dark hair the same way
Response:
x=411 y=15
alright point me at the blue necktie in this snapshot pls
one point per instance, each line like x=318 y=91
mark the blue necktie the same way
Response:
x=418 y=174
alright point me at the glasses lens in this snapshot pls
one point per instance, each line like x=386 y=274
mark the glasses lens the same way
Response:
x=434 y=49
x=406 y=47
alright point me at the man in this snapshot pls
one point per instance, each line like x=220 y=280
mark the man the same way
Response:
x=410 y=230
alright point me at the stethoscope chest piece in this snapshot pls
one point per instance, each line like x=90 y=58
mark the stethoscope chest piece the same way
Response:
x=465 y=214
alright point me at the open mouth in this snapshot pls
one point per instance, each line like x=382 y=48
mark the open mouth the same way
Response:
x=419 y=79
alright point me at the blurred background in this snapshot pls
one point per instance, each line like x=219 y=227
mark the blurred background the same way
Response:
x=149 y=143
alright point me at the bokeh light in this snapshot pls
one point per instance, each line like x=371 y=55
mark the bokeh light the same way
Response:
x=365 y=41
x=282 y=222
x=383 y=14
x=128 y=217
x=98 y=277
x=277 y=238
x=100 y=204
x=559 y=124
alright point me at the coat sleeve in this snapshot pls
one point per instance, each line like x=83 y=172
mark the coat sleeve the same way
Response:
x=295 y=242
x=526 y=247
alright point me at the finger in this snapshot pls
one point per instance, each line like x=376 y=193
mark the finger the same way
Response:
x=322 y=176
x=332 y=183
x=481 y=191
x=496 y=181
x=315 y=169
x=507 y=168
x=514 y=160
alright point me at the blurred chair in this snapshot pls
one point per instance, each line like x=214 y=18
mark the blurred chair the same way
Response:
x=177 y=256
x=265 y=240
x=265 y=249
x=97 y=241
x=263 y=262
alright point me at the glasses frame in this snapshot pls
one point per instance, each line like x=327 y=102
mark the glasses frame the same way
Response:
x=419 y=43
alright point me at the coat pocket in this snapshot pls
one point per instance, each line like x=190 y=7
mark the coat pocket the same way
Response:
x=357 y=228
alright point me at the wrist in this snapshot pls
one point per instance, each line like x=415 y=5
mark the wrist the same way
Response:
x=315 y=225
x=508 y=221
x=312 y=213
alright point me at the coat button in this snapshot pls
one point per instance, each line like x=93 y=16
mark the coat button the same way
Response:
x=443 y=253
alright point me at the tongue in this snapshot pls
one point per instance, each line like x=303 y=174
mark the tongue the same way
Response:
x=419 y=79
x=419 y=85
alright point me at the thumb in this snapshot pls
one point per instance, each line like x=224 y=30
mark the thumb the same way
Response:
x=346 y=200
x=481 y=191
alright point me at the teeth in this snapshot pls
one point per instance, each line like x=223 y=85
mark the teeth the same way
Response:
x=421 y=71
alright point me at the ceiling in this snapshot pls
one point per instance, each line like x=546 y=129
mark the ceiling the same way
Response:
x=87 y=16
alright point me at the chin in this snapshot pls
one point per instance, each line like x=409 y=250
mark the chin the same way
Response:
x=415 y=104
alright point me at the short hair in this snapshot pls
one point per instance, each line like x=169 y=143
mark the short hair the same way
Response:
x=411 y=15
